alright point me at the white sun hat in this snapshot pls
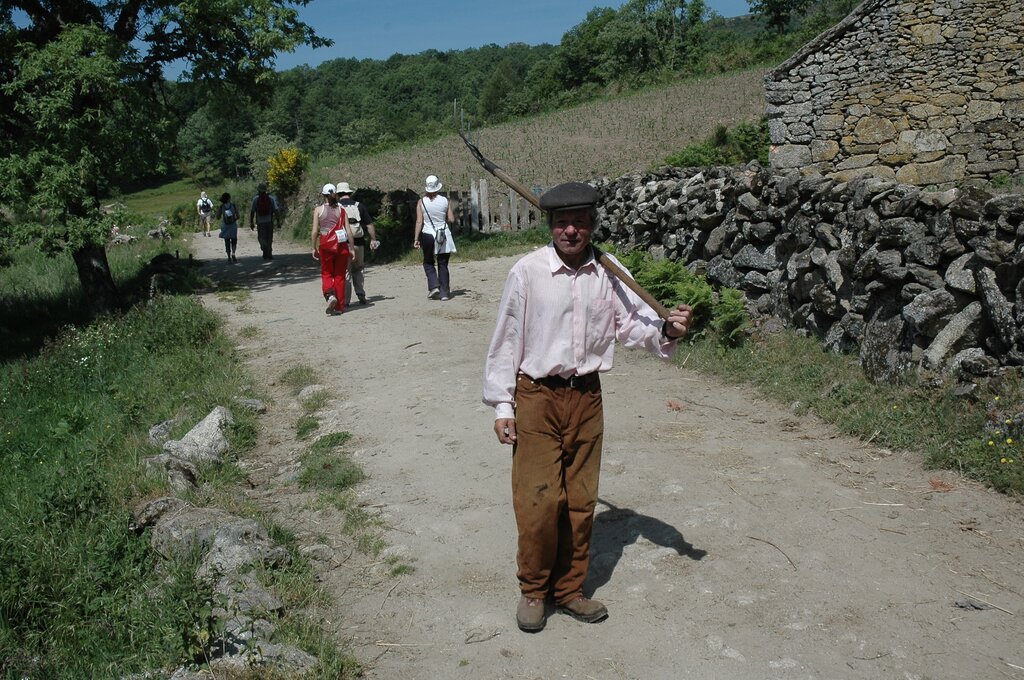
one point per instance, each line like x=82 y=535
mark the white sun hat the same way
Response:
x=343 y=188
x=433 y=184
x=328 y=189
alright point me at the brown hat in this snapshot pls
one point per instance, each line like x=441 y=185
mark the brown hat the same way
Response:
x=569 y=195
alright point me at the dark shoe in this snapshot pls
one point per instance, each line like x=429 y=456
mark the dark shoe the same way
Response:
x=586 y=610
x=362 y=299
x=530 y=614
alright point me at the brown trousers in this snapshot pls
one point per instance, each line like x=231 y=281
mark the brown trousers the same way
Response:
x=556 y=463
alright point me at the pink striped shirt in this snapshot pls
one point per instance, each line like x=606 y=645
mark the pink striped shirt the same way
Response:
x=554 y=320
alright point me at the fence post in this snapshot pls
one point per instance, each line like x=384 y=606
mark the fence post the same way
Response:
x=474 y=205
x=513 y=210
x=485 y=206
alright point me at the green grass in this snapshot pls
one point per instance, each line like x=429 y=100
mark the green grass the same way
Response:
x=161 y=200
x=305 y=426
x=980 y=436
x=325 y=469
x=298 y=377
x=80 y=595
x=316 y=401
x=40 y=294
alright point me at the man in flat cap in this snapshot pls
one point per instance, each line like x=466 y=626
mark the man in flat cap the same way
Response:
x=560 y=315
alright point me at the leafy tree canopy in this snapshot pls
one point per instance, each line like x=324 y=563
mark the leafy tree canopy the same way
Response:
x=84 y=104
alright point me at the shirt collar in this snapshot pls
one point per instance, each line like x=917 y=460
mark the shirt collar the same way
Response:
x=556 y=264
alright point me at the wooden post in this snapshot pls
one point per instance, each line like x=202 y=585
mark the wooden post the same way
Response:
x=474 y=205
x=513 y=211
x=485 y=206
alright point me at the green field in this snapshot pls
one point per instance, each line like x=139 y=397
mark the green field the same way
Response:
x=161 y=200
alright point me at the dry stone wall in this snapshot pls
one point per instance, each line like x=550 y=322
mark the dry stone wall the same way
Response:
x=905 y=277
x=923 y=92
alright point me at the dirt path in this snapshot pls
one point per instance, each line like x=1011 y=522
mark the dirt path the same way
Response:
x=735 y=540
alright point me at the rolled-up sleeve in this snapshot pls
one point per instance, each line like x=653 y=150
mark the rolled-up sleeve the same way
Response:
x=506 y=350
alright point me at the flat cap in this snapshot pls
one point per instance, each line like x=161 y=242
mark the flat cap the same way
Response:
x=569 y=195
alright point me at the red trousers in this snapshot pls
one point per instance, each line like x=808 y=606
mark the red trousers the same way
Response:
x=556 y=463
x=334 y=259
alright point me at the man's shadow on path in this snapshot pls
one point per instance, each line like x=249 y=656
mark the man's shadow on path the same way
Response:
x=615 y=528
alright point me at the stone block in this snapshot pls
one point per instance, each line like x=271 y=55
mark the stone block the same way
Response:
x=823 y=150
x=879 y=171
x=981 y=110
x=924 y=111
x=948 y=100
x=946 y=170
x=790 y=156
x=859 y=161
x=776 y=131
x=1011 y=91
x=928 y=33
x=874 y=130
x=829 y=122
x=921 y=141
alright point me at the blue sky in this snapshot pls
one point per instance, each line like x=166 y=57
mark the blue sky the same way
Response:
x=376 y=29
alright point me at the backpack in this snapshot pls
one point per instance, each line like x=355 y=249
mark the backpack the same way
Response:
x=354 y=219
x=264 y=209
x=229 y=215
x=205 y=205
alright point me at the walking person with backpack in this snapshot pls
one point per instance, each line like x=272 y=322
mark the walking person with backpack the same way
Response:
x=227 y=213
x=264 y=218
x=359 y=219
x=204 y=207
x=331 y=238
x=433 y=236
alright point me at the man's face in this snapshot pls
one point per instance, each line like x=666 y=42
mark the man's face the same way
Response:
x=571 y=229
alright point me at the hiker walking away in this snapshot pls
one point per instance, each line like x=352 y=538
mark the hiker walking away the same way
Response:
x=264 y=218
x=560 y=314
x=204 y=207
x=433 y=236
x=227 y=213
x=331 y=238
x=359 y=219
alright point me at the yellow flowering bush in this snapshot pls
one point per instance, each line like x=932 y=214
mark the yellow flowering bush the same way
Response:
x=284 y=170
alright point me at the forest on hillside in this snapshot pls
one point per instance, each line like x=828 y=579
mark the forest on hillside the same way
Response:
x=346 y=108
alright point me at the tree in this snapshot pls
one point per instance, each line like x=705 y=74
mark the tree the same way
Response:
x=777 y=13
x=83 y=104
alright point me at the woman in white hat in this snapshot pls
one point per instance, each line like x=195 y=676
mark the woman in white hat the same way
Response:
x=434 y=237
x=331 y=238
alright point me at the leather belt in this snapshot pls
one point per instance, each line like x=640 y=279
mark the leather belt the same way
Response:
x=576 y=382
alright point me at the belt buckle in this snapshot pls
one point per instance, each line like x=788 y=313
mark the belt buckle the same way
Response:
x=576 y=381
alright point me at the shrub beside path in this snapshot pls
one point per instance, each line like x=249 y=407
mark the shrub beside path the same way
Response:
x=735 y=540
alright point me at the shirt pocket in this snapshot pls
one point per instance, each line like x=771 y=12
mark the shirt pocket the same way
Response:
x=600 y=326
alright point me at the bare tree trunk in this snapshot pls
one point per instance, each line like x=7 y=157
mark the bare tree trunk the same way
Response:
x=94 y=274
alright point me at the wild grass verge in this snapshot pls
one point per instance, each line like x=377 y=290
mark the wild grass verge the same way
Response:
x=40 y=293
x=80 y=594
x=979 y=436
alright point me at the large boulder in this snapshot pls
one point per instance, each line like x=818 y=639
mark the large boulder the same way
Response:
x=206 y=442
